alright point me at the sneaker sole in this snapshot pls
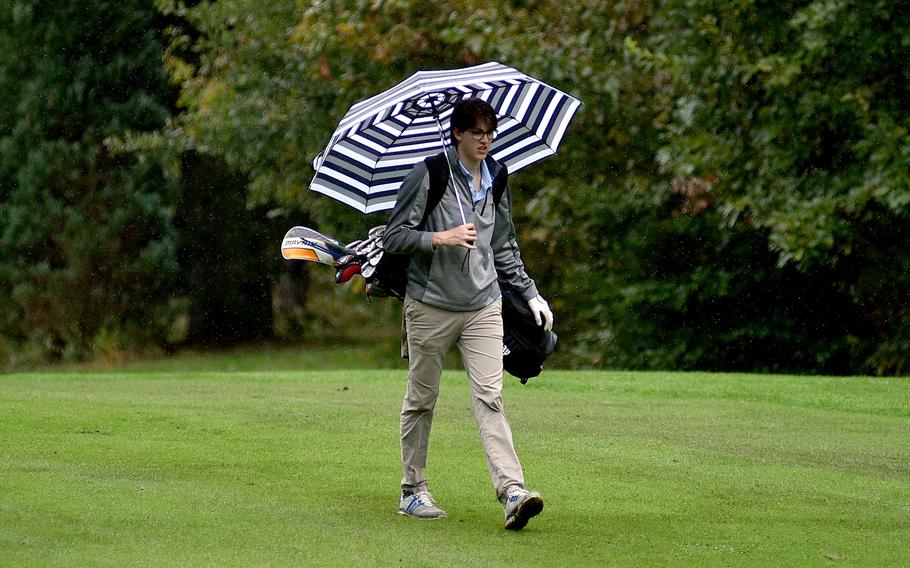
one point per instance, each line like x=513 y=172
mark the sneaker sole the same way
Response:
x=406 y=514
x=531 y=507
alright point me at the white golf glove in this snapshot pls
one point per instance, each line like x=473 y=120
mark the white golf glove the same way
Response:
x=541 y=310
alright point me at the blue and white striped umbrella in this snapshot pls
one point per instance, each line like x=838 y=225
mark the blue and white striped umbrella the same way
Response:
x=381 y=138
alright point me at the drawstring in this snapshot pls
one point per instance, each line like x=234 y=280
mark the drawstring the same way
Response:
x=485 y=196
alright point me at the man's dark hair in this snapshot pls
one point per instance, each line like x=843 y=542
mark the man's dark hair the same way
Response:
x=466 y=114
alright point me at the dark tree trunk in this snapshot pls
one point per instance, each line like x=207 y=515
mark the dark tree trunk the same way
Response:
x=228 y=255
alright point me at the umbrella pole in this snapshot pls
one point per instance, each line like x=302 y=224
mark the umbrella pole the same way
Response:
x=445 y=152
x=442 y=139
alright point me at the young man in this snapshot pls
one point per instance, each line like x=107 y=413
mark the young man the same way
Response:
x=453 y=298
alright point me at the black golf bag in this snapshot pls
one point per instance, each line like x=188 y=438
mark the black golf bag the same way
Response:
x=526 y=345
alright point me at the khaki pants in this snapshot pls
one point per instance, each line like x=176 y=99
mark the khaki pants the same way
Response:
x=431 y=333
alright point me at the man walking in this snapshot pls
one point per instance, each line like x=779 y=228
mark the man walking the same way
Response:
x=453 y=298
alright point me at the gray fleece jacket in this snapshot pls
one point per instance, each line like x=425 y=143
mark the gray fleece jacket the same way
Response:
x=437 y=276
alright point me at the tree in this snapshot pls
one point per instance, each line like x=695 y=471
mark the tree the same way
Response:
x=263 y=87
x=796 y=113
x=227 y=254
x=725 y=199
x=87 y=243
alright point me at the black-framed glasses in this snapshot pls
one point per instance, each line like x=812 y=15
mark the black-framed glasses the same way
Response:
x=479 y=134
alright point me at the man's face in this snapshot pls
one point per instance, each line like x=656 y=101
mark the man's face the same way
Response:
x=471 y=148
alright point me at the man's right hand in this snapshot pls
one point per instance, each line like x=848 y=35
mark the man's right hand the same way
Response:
x=460 y=236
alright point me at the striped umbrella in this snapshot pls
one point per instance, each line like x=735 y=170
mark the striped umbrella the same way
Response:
x=381 y=138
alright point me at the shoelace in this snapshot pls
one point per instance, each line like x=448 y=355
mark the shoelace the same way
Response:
x=425 y=498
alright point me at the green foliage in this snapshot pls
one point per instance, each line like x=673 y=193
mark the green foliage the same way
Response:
x=795 y=113
x=264 y=87
x=249 y=98
x=87 y=247
x=800 y=110
x=729 y=196
x=687 y=292
x=733 y=194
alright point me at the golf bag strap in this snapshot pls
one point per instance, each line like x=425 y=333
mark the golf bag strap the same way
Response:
x=438 y=168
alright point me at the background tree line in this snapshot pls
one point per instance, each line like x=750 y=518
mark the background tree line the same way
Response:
x=733 y=194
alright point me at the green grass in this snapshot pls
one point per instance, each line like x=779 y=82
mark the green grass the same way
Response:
x=382 y=354
x=161 y=466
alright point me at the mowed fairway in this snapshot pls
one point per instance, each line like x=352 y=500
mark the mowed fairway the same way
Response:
x=285 y=468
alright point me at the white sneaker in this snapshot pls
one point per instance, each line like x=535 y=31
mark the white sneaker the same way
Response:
x=520 y=505
x=420 y=505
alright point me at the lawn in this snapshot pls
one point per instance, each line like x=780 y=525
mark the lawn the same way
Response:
x=184 y=462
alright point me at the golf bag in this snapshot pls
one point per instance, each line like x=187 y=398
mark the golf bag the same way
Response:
x=525 y=345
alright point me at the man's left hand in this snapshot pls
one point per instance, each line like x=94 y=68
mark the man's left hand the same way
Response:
x=541 y=310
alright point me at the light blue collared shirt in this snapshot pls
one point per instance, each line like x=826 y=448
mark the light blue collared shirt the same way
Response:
x=486 y=182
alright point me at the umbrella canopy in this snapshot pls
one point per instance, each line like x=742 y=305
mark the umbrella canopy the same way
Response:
x=381 y=138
